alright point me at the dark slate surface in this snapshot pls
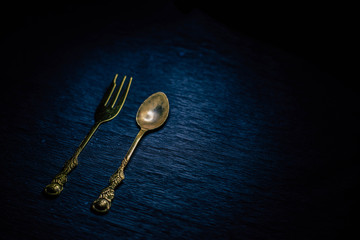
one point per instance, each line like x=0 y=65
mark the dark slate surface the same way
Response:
x=258 y=145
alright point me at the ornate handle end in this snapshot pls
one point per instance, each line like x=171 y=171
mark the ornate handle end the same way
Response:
x=53 y=189
x=101 y=206
x=57 y=184
x=103 y=203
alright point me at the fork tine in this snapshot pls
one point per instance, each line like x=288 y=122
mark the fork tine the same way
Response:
x=108 y=95
x=117 y=95
x=124 y=95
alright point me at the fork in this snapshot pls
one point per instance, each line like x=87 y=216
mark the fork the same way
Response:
x=107 y=110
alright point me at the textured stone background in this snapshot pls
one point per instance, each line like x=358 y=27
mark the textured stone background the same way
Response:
x=259 y=144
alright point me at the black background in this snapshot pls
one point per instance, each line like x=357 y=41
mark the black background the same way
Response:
x=323 y=34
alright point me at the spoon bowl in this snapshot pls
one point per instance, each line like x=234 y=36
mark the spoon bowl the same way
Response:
x=153 y=112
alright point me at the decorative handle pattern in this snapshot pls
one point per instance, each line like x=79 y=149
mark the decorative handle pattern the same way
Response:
x=57 y=184
x=103 y=203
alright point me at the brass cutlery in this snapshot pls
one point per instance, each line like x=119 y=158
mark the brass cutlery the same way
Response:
x=152 y=113
x=107 y=110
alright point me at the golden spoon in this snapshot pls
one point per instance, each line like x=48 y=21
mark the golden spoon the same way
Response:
x=152 y=113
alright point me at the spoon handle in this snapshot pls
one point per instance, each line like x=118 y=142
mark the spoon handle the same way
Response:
x=57 y=184
x=103 y=203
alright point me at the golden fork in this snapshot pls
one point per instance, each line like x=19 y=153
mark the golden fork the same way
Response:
x=107 y=110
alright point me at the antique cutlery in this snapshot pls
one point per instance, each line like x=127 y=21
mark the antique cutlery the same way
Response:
x=152 y=113
x=107 y=110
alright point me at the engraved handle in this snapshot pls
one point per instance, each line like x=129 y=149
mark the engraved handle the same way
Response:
x=57 y=184
x=103 y=203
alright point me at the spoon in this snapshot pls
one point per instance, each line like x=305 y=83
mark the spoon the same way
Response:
x=152 y=113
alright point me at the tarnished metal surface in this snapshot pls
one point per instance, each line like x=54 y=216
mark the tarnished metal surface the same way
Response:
x=107 y=110
x=152 y=113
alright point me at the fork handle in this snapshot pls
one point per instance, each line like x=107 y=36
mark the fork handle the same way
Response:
x=57 y=184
